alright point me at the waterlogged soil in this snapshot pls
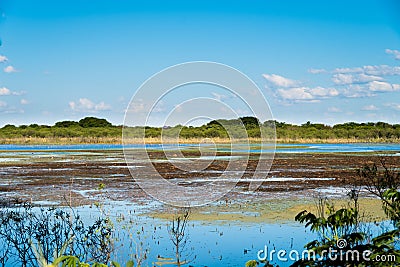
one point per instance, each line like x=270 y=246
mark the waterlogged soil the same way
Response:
x=83 y=177
x=270 y=211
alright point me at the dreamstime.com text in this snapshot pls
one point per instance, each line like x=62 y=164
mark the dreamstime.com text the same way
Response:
x=332 y=254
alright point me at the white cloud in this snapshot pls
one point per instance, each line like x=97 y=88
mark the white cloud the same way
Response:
x=297 y=93
x=217 y=96
x=14 y=111
x=5 y=91
x=369 y=108
x=342 y=78
x=6 y=109
x=365 y=81
x=354 y=82
x=102 y=106
x=378 y=70
x=138 y=106
x=382 y=70
x=280 y=81
x=86 y=105
x=24 y=101
x=348 y=70
x=395 y=53
x=334 y=110
x=323 y=92
x=9 y=69
x=377 y=86
x=3 y=58
x=316 y=71
x=307 y=94
x=363 y=78
x=395 y=106
x=357 y=90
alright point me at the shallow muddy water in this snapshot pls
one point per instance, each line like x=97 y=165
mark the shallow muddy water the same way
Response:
x=224 y=233
x=279 y=148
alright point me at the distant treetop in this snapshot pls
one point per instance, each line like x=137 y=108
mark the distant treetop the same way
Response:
x=94 y=122
x=66 y=124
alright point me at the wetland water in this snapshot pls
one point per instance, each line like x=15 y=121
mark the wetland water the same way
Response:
x=224 y=233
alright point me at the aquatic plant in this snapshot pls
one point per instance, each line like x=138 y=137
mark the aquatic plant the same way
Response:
x=339 y=229
x=23 y=225
x=178 y=235
x=341 y=238
x=57 y=254
x=251 y=263
x=254 y=263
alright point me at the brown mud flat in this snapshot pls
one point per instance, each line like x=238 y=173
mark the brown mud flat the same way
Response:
x=75 y=181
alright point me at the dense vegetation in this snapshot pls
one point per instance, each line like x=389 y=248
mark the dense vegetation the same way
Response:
x=87 y=127
x=343 y=237
x=31 y=237
x=91 y=127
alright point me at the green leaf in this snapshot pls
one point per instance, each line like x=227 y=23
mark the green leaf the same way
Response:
x=101 y=186
x=251 y=263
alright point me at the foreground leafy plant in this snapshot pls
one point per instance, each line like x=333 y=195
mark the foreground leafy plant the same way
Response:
x=50 y=229
x=68 y=260
x=57 y=255
x=72 y=261
x=341 y=237
x=343 y=226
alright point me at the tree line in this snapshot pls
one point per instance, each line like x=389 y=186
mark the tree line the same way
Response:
x=236 y=128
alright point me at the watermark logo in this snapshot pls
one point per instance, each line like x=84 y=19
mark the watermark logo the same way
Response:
x=332 y=254
x=341 y=243
x=167 y=98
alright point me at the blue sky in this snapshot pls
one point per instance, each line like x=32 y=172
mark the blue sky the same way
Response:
x=321 y=61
